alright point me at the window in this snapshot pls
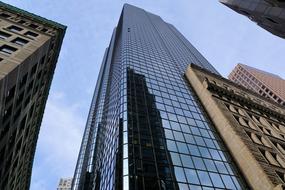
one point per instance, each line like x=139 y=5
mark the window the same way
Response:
x=21 y=22
x=33 y=25
x=179 y=174
x=15 y=28
x=44 y=30
x=216 y=179
x=7 y=49
x=31 y=34
x=191 y=176
x=20 y=41
x=4 y=35
x=204 y=178
x=187 y=161
x=5 y=15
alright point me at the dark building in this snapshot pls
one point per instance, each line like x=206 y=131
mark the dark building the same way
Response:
x=251 y=126
x=266 y=84
x=146 y=128
x=268 y=14
x=29 y=49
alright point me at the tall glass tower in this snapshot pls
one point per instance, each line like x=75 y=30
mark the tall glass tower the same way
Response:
x=146 y=130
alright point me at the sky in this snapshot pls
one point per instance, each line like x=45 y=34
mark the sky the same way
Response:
x=224 y=37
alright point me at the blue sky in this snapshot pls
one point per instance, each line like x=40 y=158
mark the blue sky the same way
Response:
x=221 y=35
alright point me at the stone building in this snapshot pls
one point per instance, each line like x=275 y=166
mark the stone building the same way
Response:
x=29 y=49
x=251 y=126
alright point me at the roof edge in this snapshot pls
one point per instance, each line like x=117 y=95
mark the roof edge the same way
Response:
x=32 y=16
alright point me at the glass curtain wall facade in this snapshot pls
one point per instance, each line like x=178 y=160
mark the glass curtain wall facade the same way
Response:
x=146 y=128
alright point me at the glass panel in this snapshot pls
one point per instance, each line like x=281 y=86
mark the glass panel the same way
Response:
x=179 y=174
x=192 y=176
x=187 y=161
x=199 y=164
x=194 y=150
x=216 y=179
x=221 y=167
x=126 y=182
x=175 y=159
x=228 y=182
x=204 y=178
x=210 y=165
x=171 y=146
x=183 y=186
x=204 y=152
x=195 y=187
x=182 y=147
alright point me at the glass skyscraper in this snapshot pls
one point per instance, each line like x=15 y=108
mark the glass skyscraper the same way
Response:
x=146 y=129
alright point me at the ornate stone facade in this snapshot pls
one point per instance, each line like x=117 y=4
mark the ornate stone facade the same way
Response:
x=29 y=49
x=252 y=127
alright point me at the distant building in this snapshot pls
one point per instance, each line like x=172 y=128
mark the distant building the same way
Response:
x=29 y=49
x=266 y=84
x=64 y=184
x=269 y=14
x=251 y=126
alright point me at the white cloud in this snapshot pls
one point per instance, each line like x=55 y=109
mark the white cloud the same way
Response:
x=58 y=143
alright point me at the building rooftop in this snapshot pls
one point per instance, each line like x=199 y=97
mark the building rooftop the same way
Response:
x=32 y=16
x=272 y=81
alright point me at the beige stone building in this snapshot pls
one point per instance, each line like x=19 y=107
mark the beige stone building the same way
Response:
x=252 y=127
x=64 y=184
x=29 y=49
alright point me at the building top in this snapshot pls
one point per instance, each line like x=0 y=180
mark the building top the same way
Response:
x=258 y=71
x=20 y=20
x=32 y=16
x=259 y=101
x=45 y=26
x=274 y=82
x=268 y=14
x=271 y=81
x=252 y=127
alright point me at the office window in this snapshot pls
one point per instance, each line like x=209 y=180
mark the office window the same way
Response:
x=33 y=25
x=4 y=35
x=14 y=28
x=21 y=22
x=20 y=41
x=44 y=30
x=7 y=49
x=5 y=15
x=31 y=34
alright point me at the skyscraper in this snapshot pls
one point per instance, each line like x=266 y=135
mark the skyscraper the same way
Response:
x=29 y=49
x=252 y=127
x=266 y=84
x=268 y=14
x=146 y=129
